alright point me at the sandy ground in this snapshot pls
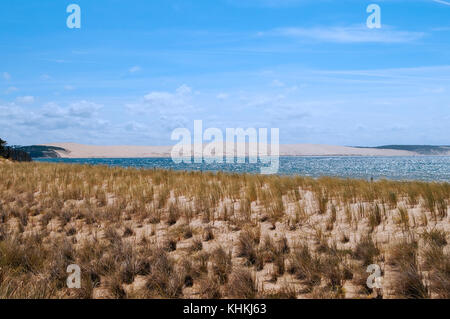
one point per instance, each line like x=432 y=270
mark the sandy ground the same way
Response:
x=297 y=238
x=125 y=151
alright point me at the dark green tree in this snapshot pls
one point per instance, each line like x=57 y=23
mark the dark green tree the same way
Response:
x=2 y=144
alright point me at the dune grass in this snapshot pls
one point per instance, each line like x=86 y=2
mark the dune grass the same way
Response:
x=152 y=233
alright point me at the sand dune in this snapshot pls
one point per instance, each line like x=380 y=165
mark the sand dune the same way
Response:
x=333 y=150
x=210 y=236
x=95 y=151
x=126 y=151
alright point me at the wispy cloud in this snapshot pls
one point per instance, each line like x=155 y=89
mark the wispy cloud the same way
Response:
x=135 y=69
x=222 y=96
x=267 y=3
x=40 y=121
x=25 y=99
x=163 y=102
x=442 y=2
x=6 y=76
x=277 y=83
x=11 y=89
x=83 y=109
x=352 y=34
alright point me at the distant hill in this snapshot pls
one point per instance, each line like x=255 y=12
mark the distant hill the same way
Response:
x=72 y=150
x=419 y=149
x=41 y=151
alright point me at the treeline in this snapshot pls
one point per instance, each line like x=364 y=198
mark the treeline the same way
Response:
x=41 y=151
x=13 y=154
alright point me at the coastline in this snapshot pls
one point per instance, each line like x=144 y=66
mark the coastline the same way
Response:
x=411 y=168
x=74 y=150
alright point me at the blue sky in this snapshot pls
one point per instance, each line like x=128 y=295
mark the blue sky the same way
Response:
x=138 y=69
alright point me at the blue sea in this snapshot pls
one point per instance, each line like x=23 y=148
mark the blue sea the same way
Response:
x=424 y=168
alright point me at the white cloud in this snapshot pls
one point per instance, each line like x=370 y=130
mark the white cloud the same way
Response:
x=25 y=99
x=327 y=111
x=164 y=102
x=157 y=99
x=78 y=119
x=439 y=29
x=133 y=126
x=10 y=112
x=442 y=2
x=45 y=77
x=352 y=34
x=69 y=88
x=162 y=111
x=6 y=76
x=11 y=89
x=277 y=83
x=435 y=90
x=262 y=100
x=83 y=109
x=135 y=69
x=222 y=96
x=183 y=90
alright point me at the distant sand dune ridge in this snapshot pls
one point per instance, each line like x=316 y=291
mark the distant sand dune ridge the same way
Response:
x=127 y=151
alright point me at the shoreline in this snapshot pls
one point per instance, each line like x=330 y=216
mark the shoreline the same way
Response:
x=74 y=150
x=304 y=167
x=281 y=156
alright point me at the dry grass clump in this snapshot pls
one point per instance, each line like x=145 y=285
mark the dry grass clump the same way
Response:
x=409 y=281
x=305 y=266
x=196 y=245
x=169 y=244
x=25 y=287
x=375 y=216
x=285 y=292
x=435 y=237
x=366 y=251
x=242 y=285
x=437 y=263
x=221 y=264
x=163 y=280
x=208 y=234
x=270 y=251
x=200 y=261
x=247 y=245
x=138 y=233
x=187 y=231
x=210 y=288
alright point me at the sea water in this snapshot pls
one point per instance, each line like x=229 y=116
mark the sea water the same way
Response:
x=424 y=168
